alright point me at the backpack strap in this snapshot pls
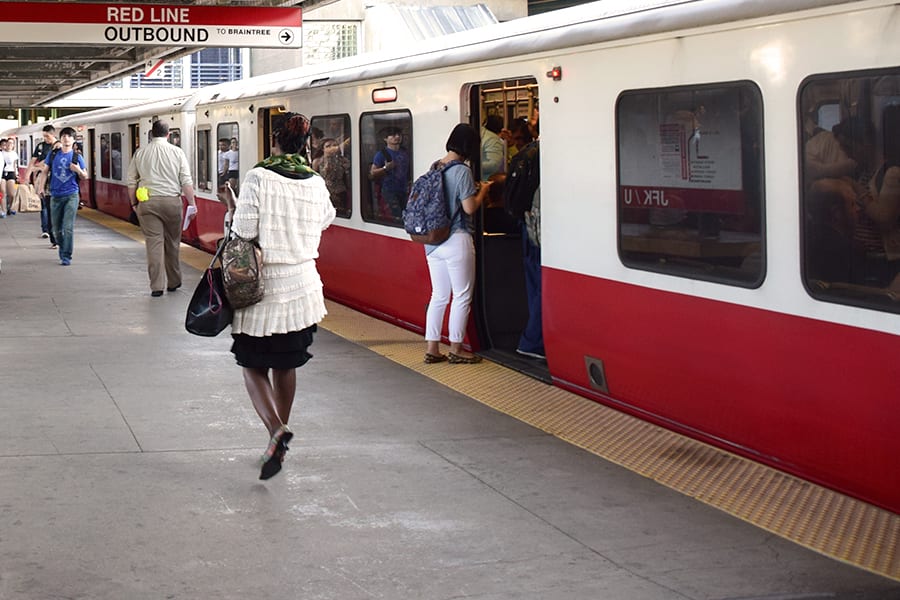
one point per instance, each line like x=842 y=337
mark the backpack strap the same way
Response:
x=458 y=204
x=49 y=163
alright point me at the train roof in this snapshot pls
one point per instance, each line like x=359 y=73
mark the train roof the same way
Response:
x=596 y=22
x=106 y=114
x=164 y=105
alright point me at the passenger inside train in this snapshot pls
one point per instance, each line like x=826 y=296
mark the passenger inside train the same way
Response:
x=852 y=198
x=335 y=167
x=391 y=174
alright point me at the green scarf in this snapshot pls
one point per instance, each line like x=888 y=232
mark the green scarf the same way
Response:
x=294 y=166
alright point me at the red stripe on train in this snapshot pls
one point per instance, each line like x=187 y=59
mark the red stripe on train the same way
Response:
x=815 y=399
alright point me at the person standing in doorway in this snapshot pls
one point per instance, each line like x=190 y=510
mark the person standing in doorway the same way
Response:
x=163 y=170
x=451 y=265
x=493 y=148
x=233 y=173
x=64 y=167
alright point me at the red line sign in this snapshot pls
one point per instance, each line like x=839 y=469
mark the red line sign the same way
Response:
x=153 y=24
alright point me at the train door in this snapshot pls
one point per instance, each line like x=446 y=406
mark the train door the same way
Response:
x=265 y=117
x=134 y=133
x=90 y=159
x=501 y=306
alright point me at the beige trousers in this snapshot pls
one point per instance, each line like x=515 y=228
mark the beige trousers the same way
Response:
x=160 y=218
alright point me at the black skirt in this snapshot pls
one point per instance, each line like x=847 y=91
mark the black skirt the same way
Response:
x=278 y=351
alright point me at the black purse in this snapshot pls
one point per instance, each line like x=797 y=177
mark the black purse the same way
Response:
x=209 y=312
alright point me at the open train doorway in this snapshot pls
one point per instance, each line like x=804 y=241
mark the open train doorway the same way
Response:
x=504 y=111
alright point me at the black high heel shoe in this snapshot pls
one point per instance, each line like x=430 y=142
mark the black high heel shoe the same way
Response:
x=274 y=454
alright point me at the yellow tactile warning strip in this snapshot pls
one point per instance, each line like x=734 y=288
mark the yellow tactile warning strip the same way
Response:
x=189 y=255
x=812 y=516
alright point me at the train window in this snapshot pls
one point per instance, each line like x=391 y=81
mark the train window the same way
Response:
x=385 y=160
x=690 y=182
x=850 y=199
x=331 y=154
x=104 y=155
x=227 y=162
x=204 y=181
x=175 y=137
x=115 y=155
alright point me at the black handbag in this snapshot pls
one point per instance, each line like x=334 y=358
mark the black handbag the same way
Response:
x=209 y=312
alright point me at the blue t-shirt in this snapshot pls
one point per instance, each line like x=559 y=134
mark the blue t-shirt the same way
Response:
x=64 y=182
x=397 y=179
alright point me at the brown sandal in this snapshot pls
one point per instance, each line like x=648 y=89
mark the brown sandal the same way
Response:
x=434 y=358
x=456 y=359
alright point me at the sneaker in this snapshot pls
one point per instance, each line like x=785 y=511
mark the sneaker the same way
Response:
x=2 y=215
x=45 y=235
x=531 y=354
x=12 y=212
x=53 y=246
x=65 y=262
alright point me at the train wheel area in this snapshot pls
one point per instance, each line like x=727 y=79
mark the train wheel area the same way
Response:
x=128 y=456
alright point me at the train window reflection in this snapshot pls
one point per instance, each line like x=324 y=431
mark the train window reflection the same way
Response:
x=385 y=165
x=105 y=155
x=115 y=155
x=690 y=189
x=228 y=155
x=331 y=158
x=204 y=181
x=851 y=188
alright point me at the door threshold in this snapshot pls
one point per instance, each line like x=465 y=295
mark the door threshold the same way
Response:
x=533 y=367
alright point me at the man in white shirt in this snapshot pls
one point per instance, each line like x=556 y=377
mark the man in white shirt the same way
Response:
x=493 y=148
x=162 y=168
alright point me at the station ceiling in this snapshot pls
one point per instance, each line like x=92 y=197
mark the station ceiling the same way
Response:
x=34 y=75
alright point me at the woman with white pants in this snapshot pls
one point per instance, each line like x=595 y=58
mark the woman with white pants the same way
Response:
x=452 y=263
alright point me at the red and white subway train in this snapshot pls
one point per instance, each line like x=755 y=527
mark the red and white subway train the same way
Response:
x=717 y=181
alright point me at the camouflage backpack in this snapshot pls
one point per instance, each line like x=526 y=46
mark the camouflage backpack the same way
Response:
x=242 y=264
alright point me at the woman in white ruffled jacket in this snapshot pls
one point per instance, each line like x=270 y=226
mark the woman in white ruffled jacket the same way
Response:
x=286 y=205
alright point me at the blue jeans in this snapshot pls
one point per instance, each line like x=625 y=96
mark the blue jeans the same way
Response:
x=532 y=339
x=45 y=217
x=62 y=219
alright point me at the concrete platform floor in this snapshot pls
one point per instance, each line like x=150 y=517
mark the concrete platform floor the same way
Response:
x=128 y=470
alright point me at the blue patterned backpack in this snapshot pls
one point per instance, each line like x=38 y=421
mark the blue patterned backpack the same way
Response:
x=425 y=217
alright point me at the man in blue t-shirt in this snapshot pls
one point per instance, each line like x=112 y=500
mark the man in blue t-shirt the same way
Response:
x=65 y=168
x=390 y=167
